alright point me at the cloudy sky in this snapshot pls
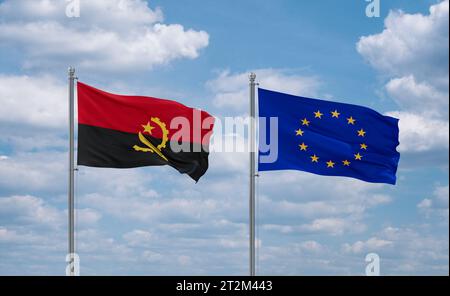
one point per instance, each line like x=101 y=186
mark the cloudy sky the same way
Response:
x=153 y=221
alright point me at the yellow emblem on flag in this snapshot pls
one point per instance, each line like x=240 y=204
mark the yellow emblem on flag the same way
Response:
x=149 y=146
x=315 y=158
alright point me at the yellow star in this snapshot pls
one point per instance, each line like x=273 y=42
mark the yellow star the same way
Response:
x=299 y=132
x=305 y=122
x=335 y=114
x=330 y=164
x=346 y=163
x=351 y=120
x=314 y=158
x=364 y=146
x=303 y=147
x=318 y=114
x=148 y=128
x=361 y=133
x=358 y=156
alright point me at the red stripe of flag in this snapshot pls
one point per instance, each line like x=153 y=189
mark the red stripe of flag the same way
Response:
x=128 y=114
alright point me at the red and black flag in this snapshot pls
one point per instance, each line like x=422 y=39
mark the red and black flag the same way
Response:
x=117 y=131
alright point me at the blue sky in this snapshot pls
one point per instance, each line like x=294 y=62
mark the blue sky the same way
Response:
x=153 y=221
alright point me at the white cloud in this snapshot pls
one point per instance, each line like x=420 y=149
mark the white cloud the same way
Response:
x=410 y=43
x=114 y=35
x=425 y=204
x=92 y=242
x=30 y=210
x=441 y=196
x=34 y=212
x=128 y=12
x=378 y=199
x=437 y=205
x=285 y=229
x=231 y=89
x=371 y=245
x=34 y=172
x=419 y=251
x=33 y=117
x=12 y=236
x=320 y=196
x=151 y=256
x=328 y=226
x=87 y=216
x=412 y=52
x=234 y=242
x=33 y=101
x=404 y=250
x=333 y=226
x=296 y=202
x=138 y=237
x=420 y=132
x=312 y=246
x=420 y=97
x=156 y=210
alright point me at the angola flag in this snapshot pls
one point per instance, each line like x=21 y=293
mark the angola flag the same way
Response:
x=117 y=131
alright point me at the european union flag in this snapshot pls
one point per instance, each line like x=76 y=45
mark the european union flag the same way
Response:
x=328 y=138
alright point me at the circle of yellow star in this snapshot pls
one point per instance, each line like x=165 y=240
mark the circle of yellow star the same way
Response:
x=358 y=156
x=318 y=114
x=330 y=164
x=351 y=120
x=305 y=122
x=303 y=147
x=361 y=133
x=299 y=132
x=364 y=146
x=335 y=114
x=148 y=128
x=346 y=163
x=314 y=158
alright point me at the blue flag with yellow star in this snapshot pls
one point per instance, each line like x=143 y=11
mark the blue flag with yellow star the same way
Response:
x=326 y=138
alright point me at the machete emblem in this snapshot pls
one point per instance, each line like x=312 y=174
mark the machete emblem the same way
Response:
x=149 y=147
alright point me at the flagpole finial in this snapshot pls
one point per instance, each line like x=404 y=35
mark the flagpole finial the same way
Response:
x=71 y=71
x=252 y=77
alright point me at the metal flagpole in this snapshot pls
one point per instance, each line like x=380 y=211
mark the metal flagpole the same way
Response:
x=71 y=171
x=252 y=137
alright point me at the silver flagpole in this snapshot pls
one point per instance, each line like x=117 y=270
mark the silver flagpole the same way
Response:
x=252 y=78
x=71 y=171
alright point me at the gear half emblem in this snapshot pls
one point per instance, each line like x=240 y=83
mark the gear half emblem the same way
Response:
x=149 y=147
